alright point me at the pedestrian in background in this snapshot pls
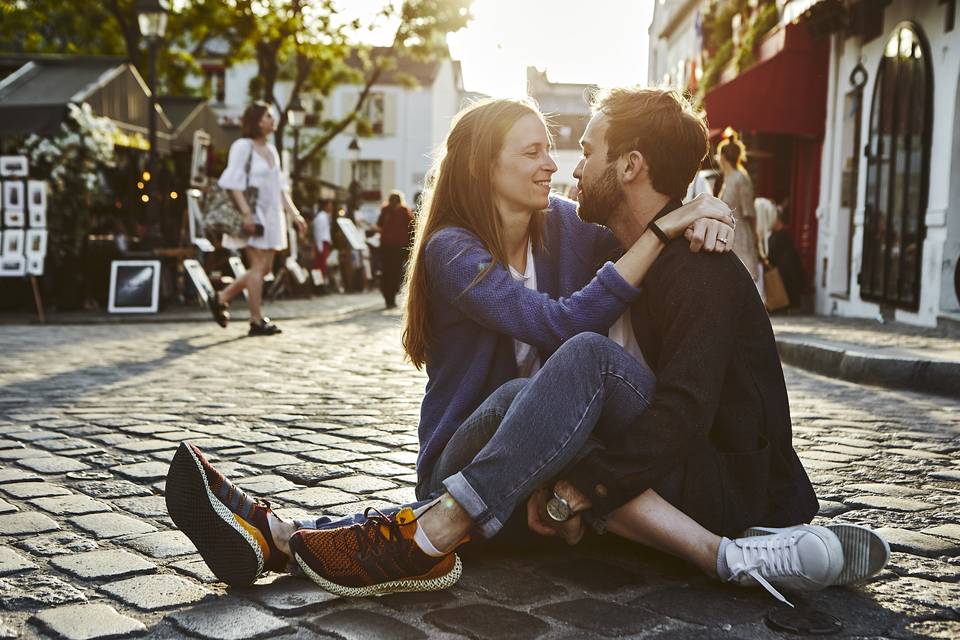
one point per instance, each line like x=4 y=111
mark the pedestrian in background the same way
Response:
x=737 y=193
x=395 y=225
x=322 y=239
x=254 y=162
x=782 y=254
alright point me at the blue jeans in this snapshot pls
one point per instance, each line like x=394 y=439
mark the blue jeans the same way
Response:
x=529 y=430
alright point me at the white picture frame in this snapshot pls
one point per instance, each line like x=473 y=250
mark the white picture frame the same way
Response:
x=35 y=265
x=201 y=282
x=298 y=272
x=134 y=286
x=195 y=221
x=36 y=197
x=36 y=243
x=14 y=218
x=14 y=166
x=37 y=218
x=12 y=243
x=238 y=270
x=14 y=196
x=12 y=266
x=354 y=235
x=198 y=159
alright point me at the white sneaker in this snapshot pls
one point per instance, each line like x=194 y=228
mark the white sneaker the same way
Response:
x=801 y=558
x=865 y=553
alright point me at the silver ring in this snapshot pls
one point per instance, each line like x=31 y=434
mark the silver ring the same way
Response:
x=723 y=240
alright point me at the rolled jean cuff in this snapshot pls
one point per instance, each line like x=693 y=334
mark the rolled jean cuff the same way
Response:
x=471 y=502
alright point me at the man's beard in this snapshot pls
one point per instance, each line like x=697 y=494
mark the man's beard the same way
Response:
x=599 y=201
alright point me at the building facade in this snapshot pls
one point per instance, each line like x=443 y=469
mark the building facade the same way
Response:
x=889 y=209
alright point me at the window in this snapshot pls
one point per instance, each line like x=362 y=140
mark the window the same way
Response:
x=214 y=82
x=370 y=177
x=373 y=111
x=898 y=160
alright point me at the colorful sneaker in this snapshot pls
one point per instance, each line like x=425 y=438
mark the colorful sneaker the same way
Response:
x=374 y=557
x=229 y=528
x=865 y=552
x=801 y=558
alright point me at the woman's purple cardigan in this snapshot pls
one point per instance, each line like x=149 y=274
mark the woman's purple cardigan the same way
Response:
x=472 y=328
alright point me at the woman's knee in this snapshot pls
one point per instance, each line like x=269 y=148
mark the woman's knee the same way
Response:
x=586 y=347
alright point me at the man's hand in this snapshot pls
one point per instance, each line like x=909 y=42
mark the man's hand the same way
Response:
x=539 y=522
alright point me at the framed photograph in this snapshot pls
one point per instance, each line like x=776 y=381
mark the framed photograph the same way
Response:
x=12 y=265
x=14 y=166
x=238 y=270
x=14 y=217
x=198 y=162
x=12 y=243
x=134 y=286
x=13 y=195
x=195 y=221
x=199 y=279
x=36 y=196
x=35 y=265
x=37 y=218
x=36 y=241
x=297 y=271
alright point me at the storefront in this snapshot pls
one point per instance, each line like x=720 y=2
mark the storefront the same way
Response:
x=778 y=106
x=890 y=208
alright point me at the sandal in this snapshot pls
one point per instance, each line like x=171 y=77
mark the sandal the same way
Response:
x=219 y=311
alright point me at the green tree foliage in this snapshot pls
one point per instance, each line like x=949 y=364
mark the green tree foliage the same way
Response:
x=303 y=41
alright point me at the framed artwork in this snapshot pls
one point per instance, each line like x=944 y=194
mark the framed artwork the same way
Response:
x=13 y=195
x=199 y=279
x=238 y=270
x=35 y=265
x=354 y=235
x=297 y=271
x=14 y=217
x=12 y=265
x=195 y=221
x=37 y=218
x=12 y=243
x=36 y=240
x=14 y=166
x=36 y=196
x=134 y=286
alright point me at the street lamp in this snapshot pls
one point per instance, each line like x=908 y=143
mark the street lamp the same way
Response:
x=152 y=19
x=354 y=152
x=296 y=116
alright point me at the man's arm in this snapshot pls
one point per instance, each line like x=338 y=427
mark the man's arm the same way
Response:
x=701 y=297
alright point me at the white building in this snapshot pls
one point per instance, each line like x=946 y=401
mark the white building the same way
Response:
x=889 y=207
x=408 y=124
x=674 y=43
x=568 y=111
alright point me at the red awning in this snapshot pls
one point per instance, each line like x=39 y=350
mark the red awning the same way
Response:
x=785 y=94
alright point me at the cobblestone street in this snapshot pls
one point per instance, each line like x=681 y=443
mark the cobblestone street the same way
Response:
x=91 y=415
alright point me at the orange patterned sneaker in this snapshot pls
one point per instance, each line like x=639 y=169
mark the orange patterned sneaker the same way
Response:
x=229 y=528
x=372 y=558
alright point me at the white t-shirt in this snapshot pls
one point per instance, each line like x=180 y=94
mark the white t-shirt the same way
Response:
x=321 y=228
x=621 y=332
x=528 y=361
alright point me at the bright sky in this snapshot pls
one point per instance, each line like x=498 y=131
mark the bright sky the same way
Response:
x=602 y=42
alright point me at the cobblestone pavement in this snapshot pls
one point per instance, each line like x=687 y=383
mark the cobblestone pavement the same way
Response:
x=90 y=416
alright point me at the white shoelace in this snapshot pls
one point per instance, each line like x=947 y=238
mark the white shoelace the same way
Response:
x=768 y=556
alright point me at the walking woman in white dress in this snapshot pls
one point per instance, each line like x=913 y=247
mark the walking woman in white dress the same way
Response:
x=265 y=225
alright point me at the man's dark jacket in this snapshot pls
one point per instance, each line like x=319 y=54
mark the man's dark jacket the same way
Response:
x=717 y=436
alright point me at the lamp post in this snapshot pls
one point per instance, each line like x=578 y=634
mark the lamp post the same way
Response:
x=354 y=152
x=296 y=116
x=152 y=19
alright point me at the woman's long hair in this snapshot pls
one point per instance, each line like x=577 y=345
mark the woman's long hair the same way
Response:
x=250 y=120
x=459 y=193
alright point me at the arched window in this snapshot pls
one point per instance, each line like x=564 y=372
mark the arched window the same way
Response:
x=898 y=161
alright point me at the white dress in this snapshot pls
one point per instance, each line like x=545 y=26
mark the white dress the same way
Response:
x=271 y=184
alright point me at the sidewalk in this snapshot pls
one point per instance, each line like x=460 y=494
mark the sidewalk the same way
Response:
x=328 y=307
x=864 y=351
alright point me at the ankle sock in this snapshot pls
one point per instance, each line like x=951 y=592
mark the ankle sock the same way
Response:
x=423 y=542
x=723 y=568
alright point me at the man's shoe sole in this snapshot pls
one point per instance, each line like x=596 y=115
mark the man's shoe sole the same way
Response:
x=396 y=586
x=865 y=553
x=229 y=550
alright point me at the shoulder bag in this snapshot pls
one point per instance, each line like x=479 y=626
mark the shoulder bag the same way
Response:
x=221 y=215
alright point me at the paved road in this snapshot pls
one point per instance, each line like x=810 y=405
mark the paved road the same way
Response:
x=90 y=416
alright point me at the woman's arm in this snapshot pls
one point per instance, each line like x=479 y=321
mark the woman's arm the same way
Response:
x=294 y=214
